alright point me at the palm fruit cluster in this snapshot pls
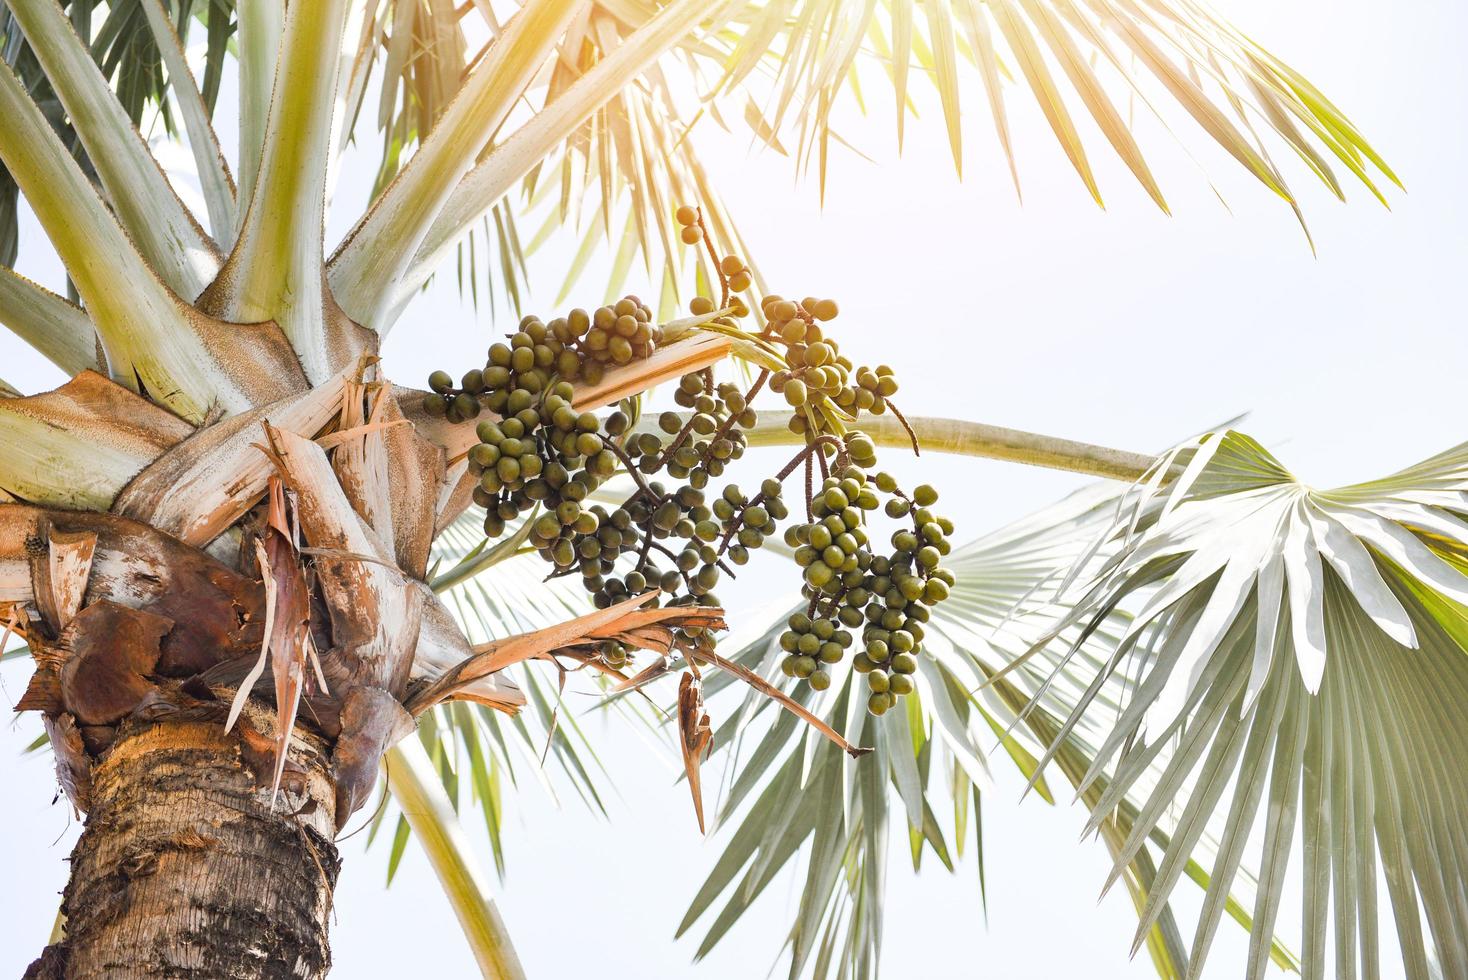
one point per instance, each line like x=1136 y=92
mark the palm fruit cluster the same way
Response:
x=745 y=523
x=547 y=454
x=888 y=596
x=734 y=275
x=817 y=369
x=576 y=347
x=540 y=451
x=678 y=534
x=812 y=646
x=685 y=570
x=832 y=546
x=618 y=333
x=904 y=585
x=541 y=455
x=700 y=447
x=694 y=535
x=690 y=226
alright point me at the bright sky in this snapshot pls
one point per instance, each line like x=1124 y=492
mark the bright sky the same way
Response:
x=1125 y=328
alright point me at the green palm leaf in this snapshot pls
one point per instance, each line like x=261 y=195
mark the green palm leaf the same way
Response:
x=930 y=759
x=126 y=49
x=1307 y=647
x=784 y=66
x=796 y=60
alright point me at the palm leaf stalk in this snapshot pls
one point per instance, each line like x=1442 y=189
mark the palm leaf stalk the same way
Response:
x=414 y=784
x=227 y=427
x=964 y=438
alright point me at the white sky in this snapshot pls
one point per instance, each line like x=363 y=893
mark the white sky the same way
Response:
x=1125 y=328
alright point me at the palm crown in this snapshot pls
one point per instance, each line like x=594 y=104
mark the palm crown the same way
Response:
x=1111 y=639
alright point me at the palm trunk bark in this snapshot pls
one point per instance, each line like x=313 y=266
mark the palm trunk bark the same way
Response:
x=186 y=870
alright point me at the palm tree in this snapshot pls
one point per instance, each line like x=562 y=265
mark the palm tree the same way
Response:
x=229 y=482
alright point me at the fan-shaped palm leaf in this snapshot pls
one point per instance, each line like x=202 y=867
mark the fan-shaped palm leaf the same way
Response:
x=1103 y=49
x=1306 y=646
x=620 y=131
x=933 y=754
x=782 y=66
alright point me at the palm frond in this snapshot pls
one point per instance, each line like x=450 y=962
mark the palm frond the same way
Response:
x=621 y=175
x=783 y=68
x=367 y=268
x=60 y=331
x=146 y=206
x=412 y=780
x=214 y=178
x=930 y=764
x=1307 y=647
x=796 y=59
x=605 y=153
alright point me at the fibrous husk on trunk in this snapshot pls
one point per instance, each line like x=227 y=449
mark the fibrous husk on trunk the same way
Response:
x=390 y=473
x=73 y=765
x=213 y=880
x=206 y=483
x=374 y=608
x=108 y=662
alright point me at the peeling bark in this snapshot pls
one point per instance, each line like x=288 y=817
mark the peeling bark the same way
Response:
x=375 y=609
x=184 y=870
x=390 y=474
x=73 y=766
x=59 y=577
x=218 y=613
x=110 y=653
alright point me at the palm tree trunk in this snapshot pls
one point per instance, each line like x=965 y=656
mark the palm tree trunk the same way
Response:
x=185 y=869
